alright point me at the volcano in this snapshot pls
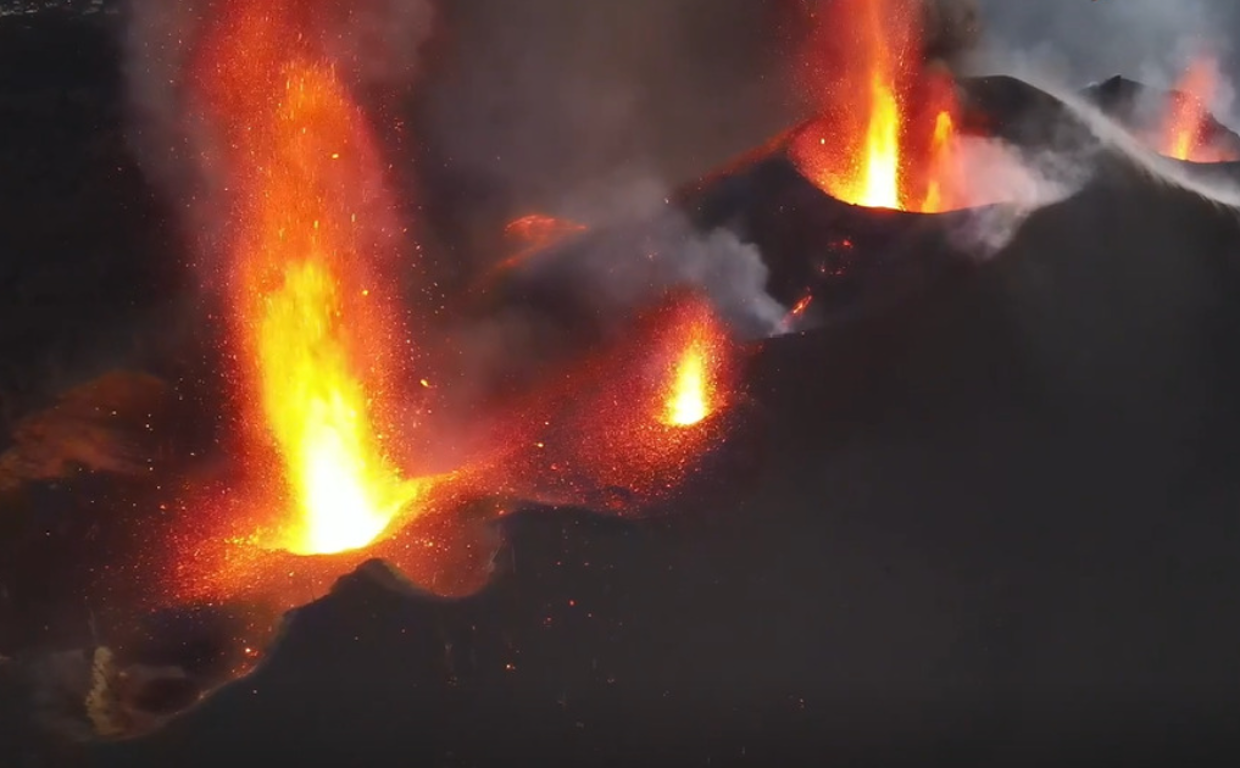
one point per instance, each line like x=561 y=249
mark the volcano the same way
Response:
x=834 y=260
x=973 y=503
x=963 y=512
x=1176 y=123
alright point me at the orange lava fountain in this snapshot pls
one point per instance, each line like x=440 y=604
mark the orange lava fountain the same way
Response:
x=1185 y=128
x=886 y=123
x=689 y=401
x=941 y=159
x=636 y=417
x=314 y=332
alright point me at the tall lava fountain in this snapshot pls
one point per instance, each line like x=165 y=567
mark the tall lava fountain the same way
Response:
x=314 y=323
x=885 y=135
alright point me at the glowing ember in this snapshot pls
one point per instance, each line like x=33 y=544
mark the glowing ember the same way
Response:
x=887 y=158
x=314 y=335
x=1185 y=131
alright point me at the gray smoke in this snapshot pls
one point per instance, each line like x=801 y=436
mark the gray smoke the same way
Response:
x=646 y=248
x=533 y=101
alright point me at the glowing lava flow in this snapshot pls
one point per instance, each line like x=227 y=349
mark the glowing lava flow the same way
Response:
x=314 y=335
x=885 y=159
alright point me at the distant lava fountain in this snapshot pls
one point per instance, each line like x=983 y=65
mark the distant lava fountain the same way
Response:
x=886 y=128
x=689 y=401
x=1187 y=129
x=314 y=330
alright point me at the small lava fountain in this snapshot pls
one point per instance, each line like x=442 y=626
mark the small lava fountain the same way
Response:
x=1186 y=130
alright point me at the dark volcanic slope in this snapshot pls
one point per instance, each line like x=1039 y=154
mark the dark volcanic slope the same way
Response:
x=995 y=527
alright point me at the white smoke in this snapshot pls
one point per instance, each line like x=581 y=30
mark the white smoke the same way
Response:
x=1001 y=185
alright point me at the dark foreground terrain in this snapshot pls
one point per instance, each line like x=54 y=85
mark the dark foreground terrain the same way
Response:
x=995 y=525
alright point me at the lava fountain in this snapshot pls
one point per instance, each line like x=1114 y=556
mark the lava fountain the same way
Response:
x=886 y=123
x=690 y=399
x=637 y=418
x=1186 y=129
x=314 y=329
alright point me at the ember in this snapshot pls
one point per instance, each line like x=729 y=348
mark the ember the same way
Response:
x=940 y=157
x=884 y=138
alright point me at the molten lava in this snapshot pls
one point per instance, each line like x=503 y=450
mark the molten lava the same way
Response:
x=314 y=333
x=323 y=378
x=880 y=165
x=1185 y=132
x=940 y=158
x=886 y=123
x=632 y=422
x=689 y=401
